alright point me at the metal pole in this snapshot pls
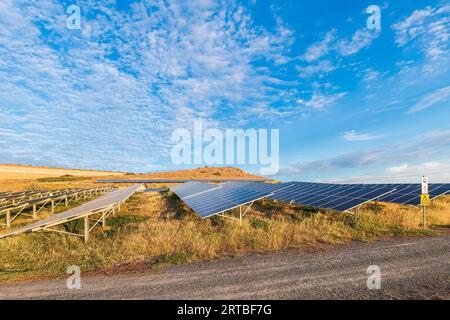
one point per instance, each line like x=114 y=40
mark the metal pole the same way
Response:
x=86 y=228
x=240 y=215
x=103 y=219
x=423 y=218
x=8 y=219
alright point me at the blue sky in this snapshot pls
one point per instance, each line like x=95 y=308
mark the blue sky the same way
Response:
x=352 y=104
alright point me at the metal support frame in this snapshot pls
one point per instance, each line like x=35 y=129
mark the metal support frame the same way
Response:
x=241 y=214
x=58 y=198
x=87 y=217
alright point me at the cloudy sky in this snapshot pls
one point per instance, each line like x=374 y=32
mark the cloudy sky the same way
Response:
x=351 y=103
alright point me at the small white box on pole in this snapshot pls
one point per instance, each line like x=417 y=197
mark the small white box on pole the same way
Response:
x=424 y=185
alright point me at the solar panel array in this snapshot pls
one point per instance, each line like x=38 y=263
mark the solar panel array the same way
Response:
x=208 y=199
x=410 y=193
x=106 y=200
x=157 y=190
x=258 y=186
x=330 y=196
x=220 y=200
x=191 y=188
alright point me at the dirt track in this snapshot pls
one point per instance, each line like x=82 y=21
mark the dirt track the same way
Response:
x=410 y=268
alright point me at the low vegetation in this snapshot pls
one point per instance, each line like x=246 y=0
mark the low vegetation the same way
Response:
x=154 y=230
x=63 y=178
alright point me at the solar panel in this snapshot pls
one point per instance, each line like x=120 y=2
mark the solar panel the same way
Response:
x=258 y=186
x=330 y=196
x=218 y=200
x=104 y=201
x=207 y=200
x=410 y=193
x=154 y=189
x=191 y=188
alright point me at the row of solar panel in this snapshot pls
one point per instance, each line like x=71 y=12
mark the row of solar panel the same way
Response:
x=85 y=209
x=403 y=193
x=208 y=199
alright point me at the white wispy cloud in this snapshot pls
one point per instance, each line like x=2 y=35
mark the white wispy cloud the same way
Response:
x=321 y=68
x=432 y=144
x=352 y=135
x=433 y=98
x=319 y=49
x=320 y=100
x=361 y=39
x=397 y=169
x=429 y=28
x=436 y=171
x=333 y=44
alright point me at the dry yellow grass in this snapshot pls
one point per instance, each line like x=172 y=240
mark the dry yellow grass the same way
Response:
x=153 y=230
x=200 y=173
x=22 y=183
x=14 y=171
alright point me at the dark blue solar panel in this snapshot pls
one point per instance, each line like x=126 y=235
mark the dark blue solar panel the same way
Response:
x=155 y=189
x=410 y=193
x=330 y=196
x=258 y=186
x=222 y=199
x=191 y=188
x=236 y=184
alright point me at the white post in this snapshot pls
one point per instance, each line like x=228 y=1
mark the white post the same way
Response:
x=103 y=219
x=86 y=228
x=8 y=219
x=240 y=215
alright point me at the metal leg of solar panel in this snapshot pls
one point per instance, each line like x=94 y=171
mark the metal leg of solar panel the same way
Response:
x=103 y=219
x=228 y=217
x=8 y=219
x=86 y=229
x=241 y=214
x=87 y=226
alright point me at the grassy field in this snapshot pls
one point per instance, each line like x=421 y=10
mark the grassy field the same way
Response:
x=154 y=230
x=15 y=171
x=71 y=181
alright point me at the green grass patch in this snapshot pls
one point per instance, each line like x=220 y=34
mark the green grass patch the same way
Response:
x=173 y=258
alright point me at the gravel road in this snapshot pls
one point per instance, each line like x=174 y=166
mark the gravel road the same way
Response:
x=414 y=268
